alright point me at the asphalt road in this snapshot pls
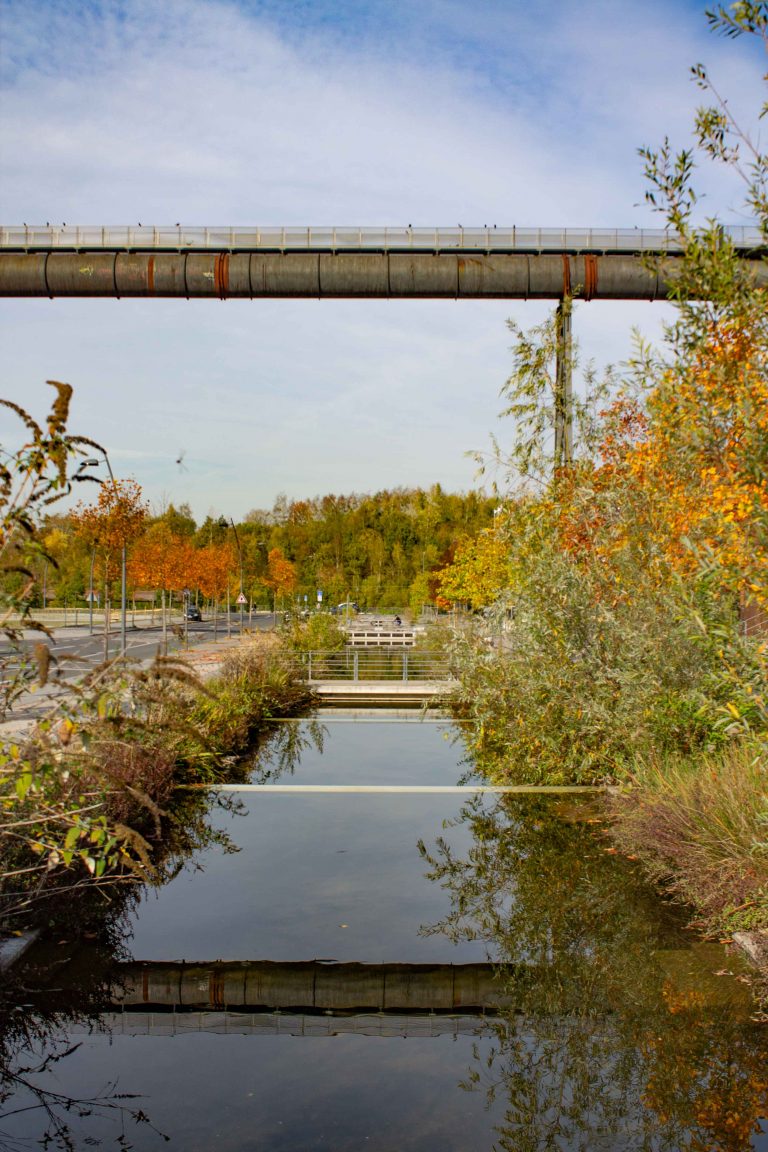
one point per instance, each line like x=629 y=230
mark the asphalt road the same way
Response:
x=75 y=649
x=141 y=642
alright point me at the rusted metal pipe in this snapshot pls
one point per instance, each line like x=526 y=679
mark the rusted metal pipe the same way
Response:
x=221 y=275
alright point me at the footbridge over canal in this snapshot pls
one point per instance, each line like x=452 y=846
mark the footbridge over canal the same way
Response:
x=378 y=675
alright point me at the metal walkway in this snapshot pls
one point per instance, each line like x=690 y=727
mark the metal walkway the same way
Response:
x=143 y=238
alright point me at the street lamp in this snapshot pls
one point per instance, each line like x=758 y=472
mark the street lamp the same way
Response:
x=95 y=464
x=241 y=597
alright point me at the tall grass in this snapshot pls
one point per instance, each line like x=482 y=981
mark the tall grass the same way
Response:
x=700 y=827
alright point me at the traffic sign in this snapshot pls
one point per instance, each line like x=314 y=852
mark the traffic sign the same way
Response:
x=241 y=599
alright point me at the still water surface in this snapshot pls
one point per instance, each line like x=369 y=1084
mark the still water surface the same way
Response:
x=608 y=1027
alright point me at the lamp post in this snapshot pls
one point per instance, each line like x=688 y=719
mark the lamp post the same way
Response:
x=94 y=464
x=241 y=597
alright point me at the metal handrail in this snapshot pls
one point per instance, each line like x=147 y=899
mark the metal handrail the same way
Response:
x=178 y=238
x=375 y=664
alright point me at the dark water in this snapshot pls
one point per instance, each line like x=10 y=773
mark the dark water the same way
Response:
x=609 y=1026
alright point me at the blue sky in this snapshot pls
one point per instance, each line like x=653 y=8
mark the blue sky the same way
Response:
x=313 y=112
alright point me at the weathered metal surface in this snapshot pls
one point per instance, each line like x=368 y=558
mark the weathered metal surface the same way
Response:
x=224 y=275
x=292 y=274
x=84 y=274
x=494 y=276
x=349 y=274
x=423 y=274
x=26 y=273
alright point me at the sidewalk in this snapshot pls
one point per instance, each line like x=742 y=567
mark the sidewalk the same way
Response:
x=205 y=659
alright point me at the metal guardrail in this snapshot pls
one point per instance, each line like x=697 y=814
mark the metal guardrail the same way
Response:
x=381 y=638
x=178 y=238
x=407 y=665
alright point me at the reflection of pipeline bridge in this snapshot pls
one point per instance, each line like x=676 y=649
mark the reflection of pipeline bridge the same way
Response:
x=326 y=998
x=310 y=986
x=307 y=998
x=405 y=263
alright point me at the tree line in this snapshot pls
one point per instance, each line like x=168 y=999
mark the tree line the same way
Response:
x=381 y=550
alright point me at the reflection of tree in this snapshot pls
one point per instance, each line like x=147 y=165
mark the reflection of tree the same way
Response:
x=613 y=1041
x=279 y=755
x=41 y=1002
x=36 y=1007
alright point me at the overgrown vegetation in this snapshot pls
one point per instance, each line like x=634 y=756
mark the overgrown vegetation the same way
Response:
x=629 y=643
x=88 y=794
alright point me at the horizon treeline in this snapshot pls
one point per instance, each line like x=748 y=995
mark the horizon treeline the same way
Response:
x=380 y=550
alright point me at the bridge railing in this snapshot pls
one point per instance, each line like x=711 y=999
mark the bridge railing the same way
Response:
x=360 y=664
x=179 y=238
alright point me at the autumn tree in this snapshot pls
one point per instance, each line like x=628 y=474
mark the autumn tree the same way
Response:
x=214 y=564
x=163 y=561
x=480 y=572
x=280 y=577
x=109 y=526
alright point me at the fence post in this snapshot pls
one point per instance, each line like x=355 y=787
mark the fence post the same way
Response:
x=355 y=665
x=309 y=676
x=405 y=666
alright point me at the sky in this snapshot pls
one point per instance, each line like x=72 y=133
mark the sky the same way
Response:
x=329 y=112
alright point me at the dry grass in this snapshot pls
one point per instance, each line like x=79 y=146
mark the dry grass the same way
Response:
x=700 y=827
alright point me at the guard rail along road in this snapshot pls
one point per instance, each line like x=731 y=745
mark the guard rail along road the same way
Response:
x=250 y=262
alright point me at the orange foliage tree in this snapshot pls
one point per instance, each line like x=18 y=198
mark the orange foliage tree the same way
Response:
x=214 y=563
x=280 y=576
x=113 y=522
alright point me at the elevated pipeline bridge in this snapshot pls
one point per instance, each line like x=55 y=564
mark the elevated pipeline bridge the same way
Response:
x=437 y=263
x=223 y=263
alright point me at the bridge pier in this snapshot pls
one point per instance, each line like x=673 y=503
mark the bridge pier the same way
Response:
x=564 y=384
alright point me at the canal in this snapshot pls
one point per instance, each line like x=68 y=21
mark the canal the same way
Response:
x=387 y=971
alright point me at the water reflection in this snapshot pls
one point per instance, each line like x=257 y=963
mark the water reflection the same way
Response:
x=279 y=756
x=606 y=1026
x=38 y=1011
x=624 y=1036
x=64 y=989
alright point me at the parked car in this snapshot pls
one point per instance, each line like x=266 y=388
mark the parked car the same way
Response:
x=341 y=609
x=192 y=612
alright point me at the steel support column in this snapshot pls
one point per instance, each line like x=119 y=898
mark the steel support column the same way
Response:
x=564 y=385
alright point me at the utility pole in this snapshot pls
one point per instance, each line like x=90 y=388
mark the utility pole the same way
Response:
x=564 y=385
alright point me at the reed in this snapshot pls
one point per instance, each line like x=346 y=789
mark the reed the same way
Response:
x=700 y=828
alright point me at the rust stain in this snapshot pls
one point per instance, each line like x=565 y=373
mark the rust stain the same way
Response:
x=590 y=277
x=216 y=990
x=151 y=275
x=221 y=275
x=566 y=275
